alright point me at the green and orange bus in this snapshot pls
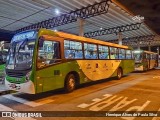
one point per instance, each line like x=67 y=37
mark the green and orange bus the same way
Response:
x=45 y=60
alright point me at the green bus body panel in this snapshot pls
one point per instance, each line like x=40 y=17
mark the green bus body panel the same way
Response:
x=2 y=69
x=47 y=80
x=2 y=66
x=50 y=80
x=18 y=80
x=127 y=67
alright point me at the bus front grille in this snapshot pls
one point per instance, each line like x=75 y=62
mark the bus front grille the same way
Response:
x=16 y=74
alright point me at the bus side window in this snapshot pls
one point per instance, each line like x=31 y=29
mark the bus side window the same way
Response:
x=117 y=53
x=103 y=52
x=78 y=54
x=90 y=51
x=121 y=54
x=113 y=53
x=56 y=55
x=73 y=49
x=128 y=54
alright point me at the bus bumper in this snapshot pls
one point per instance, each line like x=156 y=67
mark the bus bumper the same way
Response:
x=140 y=68
x=27 y=87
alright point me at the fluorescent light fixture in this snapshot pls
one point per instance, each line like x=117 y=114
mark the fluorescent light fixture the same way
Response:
x=31 y=43
x=137 y=51
x=55 y=30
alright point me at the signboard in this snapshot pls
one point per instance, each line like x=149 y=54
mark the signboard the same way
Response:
x=23 y=36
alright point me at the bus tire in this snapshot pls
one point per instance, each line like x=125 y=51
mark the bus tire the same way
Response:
x=70 y=83
x=145 y=68
x=148 y=68
x=119 y=73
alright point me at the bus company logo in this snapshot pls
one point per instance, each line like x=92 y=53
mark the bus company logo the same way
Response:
x=105 y=66
x=138 y=18
x=88 y=66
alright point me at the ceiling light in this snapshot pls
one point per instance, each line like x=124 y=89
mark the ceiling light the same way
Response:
x=57 y=11
x=55 y=30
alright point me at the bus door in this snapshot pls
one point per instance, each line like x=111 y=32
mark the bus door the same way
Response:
x=145 y=61
x=48 y=58
x=149 y=60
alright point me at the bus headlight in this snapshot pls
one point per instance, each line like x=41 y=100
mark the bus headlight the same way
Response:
x=28 y=76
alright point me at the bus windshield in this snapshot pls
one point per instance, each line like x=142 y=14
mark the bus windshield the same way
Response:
x=138 y=57
x=20 y=54
x=3 y=56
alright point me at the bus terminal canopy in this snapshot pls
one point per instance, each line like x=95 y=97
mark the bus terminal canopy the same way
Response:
x=102 y=20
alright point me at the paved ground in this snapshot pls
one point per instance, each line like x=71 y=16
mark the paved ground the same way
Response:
x=3 y=89
x=134 y=92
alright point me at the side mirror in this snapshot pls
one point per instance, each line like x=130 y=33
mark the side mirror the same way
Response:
x=41 y=41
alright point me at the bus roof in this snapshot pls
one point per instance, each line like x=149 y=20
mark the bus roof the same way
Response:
x=80 y=38
x=149 y=52
x=140 y=51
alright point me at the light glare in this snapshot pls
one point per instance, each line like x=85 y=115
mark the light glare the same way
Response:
x=57 y=11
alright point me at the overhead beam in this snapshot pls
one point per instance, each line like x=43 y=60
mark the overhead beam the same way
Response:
x=135 y=39
x=138 y=40
x=143 y=44
x=85 y=12
x=116 y=30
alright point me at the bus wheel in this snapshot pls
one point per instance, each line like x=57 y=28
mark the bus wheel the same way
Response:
x=146 y=68
x=119 y=73
x=70 y=83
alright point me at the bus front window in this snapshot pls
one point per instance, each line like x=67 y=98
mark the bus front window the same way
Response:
x=138 y=58
x=3 y=56
x=20 y=55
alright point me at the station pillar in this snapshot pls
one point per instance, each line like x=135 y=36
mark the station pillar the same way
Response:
x=158 y=50
x=120 y=38
x=149 y=48
x=138 y=46
x=158 y=55
x=81 y=26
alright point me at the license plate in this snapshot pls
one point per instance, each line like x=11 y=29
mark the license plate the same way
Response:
x=13 y=85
